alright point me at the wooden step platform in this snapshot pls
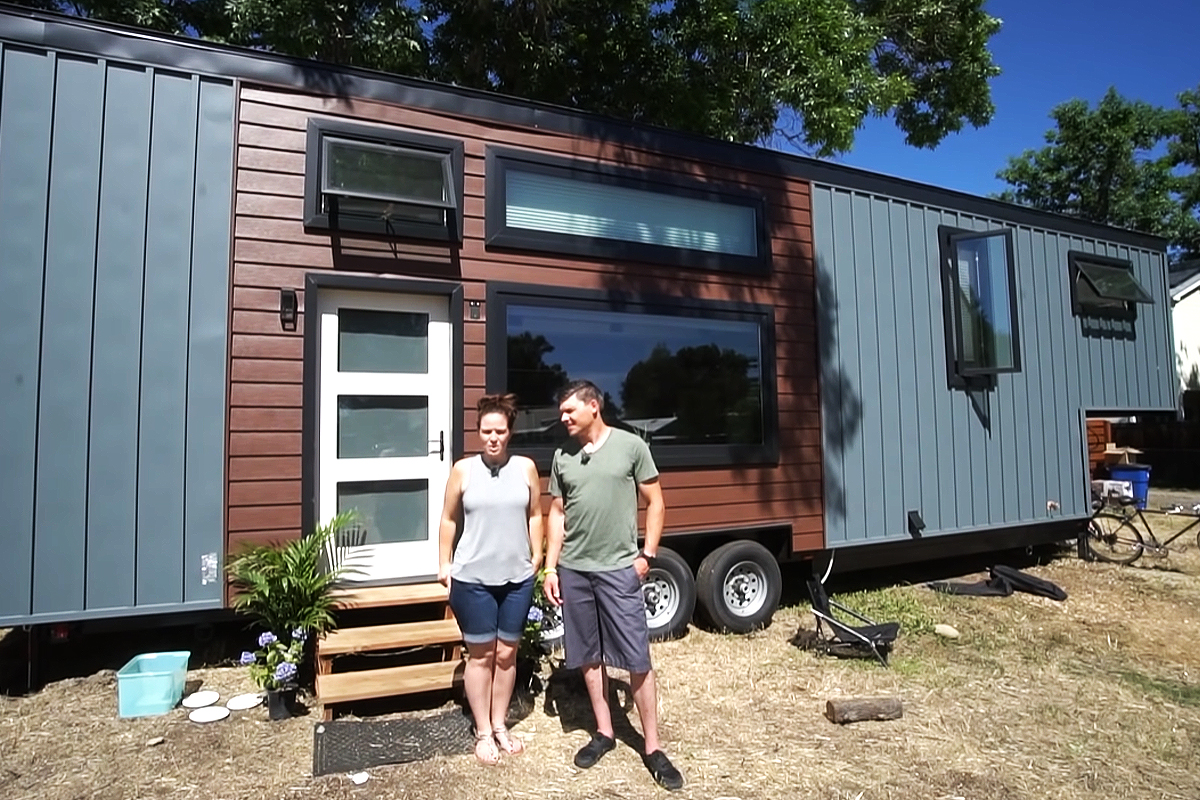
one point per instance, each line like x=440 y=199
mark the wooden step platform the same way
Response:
x=388 y=682
x=433 y=639
x=386 y=596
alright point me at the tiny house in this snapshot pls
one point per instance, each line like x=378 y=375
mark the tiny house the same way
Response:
x=243 y=292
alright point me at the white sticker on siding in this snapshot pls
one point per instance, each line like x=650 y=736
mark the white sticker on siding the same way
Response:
x=208 y=568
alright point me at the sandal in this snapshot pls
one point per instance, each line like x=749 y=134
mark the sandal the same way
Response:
x=509 y=744
x=485 y=749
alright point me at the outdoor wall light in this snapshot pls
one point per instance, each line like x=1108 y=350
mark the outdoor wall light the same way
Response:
x=915 y=524
x=287 y=309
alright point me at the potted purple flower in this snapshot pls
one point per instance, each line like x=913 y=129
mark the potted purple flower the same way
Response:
x=541 y=637
x=274 y=667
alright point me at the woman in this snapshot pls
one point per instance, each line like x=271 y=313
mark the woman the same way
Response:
x=493 y=507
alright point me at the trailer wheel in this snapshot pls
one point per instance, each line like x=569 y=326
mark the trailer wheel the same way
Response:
x=670 y=595
x=738 y=586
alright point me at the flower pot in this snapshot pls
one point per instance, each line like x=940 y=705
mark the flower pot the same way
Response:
x=280 y=702
x=527 y=681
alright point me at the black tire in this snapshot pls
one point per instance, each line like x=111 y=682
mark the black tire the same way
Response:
x=1114 y=539
x=670 y=594
x=738 y=586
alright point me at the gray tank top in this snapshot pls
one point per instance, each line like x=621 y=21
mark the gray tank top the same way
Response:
x=494 y=546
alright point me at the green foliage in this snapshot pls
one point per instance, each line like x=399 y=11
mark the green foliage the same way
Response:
x=894 y=604
x=287 y=587
x=1176 y=692
x=379 y=35
x=806 y=71
x=1124 y=163
x=1183 y=154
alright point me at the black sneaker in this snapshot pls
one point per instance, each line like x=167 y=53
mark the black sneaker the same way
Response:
x=663 y=770
x=591 y=752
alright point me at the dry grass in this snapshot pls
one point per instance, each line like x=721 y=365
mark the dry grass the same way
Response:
x=1095 y=697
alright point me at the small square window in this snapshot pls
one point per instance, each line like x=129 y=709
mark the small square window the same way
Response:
x=1104 y=287
x=378 y=180
x=979 y=283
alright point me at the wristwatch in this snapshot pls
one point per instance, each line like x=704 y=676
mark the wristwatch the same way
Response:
x=643 y=554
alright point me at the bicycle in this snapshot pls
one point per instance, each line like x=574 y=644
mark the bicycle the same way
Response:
x=1113 y=536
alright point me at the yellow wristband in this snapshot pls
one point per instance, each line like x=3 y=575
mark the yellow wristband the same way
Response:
x=549 y=571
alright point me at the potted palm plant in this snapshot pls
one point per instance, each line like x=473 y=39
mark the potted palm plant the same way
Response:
x=287 y=589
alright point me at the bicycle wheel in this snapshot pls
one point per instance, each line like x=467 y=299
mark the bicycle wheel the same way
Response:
x=1114 y=539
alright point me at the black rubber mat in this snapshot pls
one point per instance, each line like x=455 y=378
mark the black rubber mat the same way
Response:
x=355 y=745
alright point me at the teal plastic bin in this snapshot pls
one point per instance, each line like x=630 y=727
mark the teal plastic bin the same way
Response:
x=151 y=683
x=1136 y=474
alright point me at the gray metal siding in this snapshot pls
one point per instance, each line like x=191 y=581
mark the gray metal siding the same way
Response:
x=113 y=485
x=26 y=108
x=897 y=438
x=208 y=330
x=115 y=192
x=60 y=510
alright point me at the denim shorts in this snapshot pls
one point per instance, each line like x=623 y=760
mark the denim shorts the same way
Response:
x=488 y=612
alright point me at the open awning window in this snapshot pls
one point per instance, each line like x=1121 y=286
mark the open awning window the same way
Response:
x=1102 y=284
x=1113 y=283
x=385 y=173
x=382 y=180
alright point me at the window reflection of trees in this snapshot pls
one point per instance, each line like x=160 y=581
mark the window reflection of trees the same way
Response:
x=698 y=392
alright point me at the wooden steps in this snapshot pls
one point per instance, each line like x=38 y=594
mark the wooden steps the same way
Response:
x=390 y=637
x=386 y=596
x=387 y=682
x=430 y=638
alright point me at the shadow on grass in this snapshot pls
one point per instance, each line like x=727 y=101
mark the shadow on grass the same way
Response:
x=795 y=575
x=567 y=699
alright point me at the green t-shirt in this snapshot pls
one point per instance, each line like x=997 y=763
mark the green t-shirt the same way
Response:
x=600 y=499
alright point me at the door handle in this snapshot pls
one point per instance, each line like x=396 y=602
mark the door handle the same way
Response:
x=441 y=440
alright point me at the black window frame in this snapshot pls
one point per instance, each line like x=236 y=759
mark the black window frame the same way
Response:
x=964 y=376
x=1081 y=308
x=315 y=217
x=501 y=295
x=499 y=235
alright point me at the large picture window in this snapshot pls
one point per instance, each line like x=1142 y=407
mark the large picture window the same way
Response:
x=694 y=380
x=379 y=180
x=538 y=202
x=979 y=283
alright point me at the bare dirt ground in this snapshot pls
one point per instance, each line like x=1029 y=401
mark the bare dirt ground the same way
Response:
x=1094 y=697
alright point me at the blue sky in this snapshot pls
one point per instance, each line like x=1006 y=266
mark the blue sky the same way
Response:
x=1050 y=51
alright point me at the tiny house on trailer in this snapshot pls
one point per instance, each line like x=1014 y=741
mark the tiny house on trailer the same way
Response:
x=243 y=292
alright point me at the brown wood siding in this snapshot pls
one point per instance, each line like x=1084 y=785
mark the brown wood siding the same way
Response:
x=272 y=251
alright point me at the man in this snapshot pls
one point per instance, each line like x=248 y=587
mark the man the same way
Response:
x=594 y=569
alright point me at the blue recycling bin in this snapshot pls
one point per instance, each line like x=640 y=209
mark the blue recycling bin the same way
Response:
x=1136 y=474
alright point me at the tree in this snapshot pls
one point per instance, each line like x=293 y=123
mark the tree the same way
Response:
x=1107 y=165
x=709 y=390
x=809 y=71
x=1183 y=154
x=530 y=378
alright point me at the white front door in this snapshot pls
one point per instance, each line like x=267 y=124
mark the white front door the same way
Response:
x=383 y=441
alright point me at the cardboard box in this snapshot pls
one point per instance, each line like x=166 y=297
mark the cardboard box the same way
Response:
x=1120 y=455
